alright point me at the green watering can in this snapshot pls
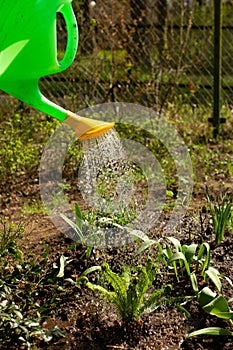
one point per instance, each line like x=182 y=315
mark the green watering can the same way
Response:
x=28 y=51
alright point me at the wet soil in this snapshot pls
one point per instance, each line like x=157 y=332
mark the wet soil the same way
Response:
x=90 y=323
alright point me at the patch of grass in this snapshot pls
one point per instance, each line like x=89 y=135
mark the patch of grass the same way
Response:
x=22 y=279
x=35 y=207
x=221 y=214
x=23 y=137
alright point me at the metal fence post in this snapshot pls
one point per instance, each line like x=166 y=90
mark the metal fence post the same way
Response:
x=217 y=65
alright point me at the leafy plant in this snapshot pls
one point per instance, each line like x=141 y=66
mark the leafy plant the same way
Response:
x=187 y=259
x=22 y=280
x=184 y=259
x=10 y=233
x=131 y=292
x=16 y=328
x=78 y=227
x=220 y=212
x=216 y=305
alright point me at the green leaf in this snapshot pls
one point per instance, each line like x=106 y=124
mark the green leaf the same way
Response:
x=167 y=251
x=184 y=310
x=117 y=282
x=194 y=283
x=73 y=225
x=88 y=251
x=214 y=274
x=63 y=262
x=110 y=296
x=210 y=331
x=144 y=246
x=91 y=269
x=225 y=315
x=176 y=256
x=176 y=243
x=206 y=296
x=155 y=300
x=204 y=247
x=78 y=212
x=78 y=217
x=190 y=252
x=216 y=306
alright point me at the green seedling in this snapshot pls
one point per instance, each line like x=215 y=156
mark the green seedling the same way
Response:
x=77 y=226
x=216 y=305
x=131 y=291
x=220 y=212
x=10 y=234
x=185 y=259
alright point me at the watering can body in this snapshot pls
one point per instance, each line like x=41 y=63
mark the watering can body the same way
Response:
x=28 y=48
x=28 y=51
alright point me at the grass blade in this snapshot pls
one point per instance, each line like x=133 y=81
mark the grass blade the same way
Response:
x=210 y=331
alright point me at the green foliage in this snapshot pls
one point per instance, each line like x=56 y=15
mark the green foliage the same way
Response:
x=87 y=226
x=218 y=306
x=210 y=331
x=183 y=259
x=22 y=138
x=16 y=328
x=20 y=284
x=214 y=304
x=186 y=259
x=131 y=291
x=221 y=213
x=78 y=227
x=9 y=236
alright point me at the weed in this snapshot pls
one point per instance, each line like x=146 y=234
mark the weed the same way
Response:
x=220 y=212
x=16 y=328
x=77 y=227
x=35 y=207
x=22 y=138
x=9 y=236
x=20 y=283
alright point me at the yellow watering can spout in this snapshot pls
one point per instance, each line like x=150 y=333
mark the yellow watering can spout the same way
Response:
x=86 y=128
x=28 y=51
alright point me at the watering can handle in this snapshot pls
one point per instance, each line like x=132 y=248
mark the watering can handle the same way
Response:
x=72 y=35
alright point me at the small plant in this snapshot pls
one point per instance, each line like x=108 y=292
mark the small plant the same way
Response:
x=78 y=227
x=16 y=328
x=187 y=260
x=183 y=259
x=220 y=212
x=89 y=226
x=216 y=305
x=9 y=236
x=131 y=291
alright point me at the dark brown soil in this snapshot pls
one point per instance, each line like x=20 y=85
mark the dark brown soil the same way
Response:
x=90 y=323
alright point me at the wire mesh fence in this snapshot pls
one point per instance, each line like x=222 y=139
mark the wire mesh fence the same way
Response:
x=143 y=51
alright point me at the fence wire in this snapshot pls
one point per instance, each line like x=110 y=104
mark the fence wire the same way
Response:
x=143 y=51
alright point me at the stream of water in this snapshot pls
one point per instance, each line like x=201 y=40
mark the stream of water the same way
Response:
x=105 y=176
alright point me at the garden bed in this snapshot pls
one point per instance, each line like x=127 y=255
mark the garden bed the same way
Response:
x=72 y=315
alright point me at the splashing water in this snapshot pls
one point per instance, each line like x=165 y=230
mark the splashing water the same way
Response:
x=108 y=183
x=105 y=176
x=119 y=180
